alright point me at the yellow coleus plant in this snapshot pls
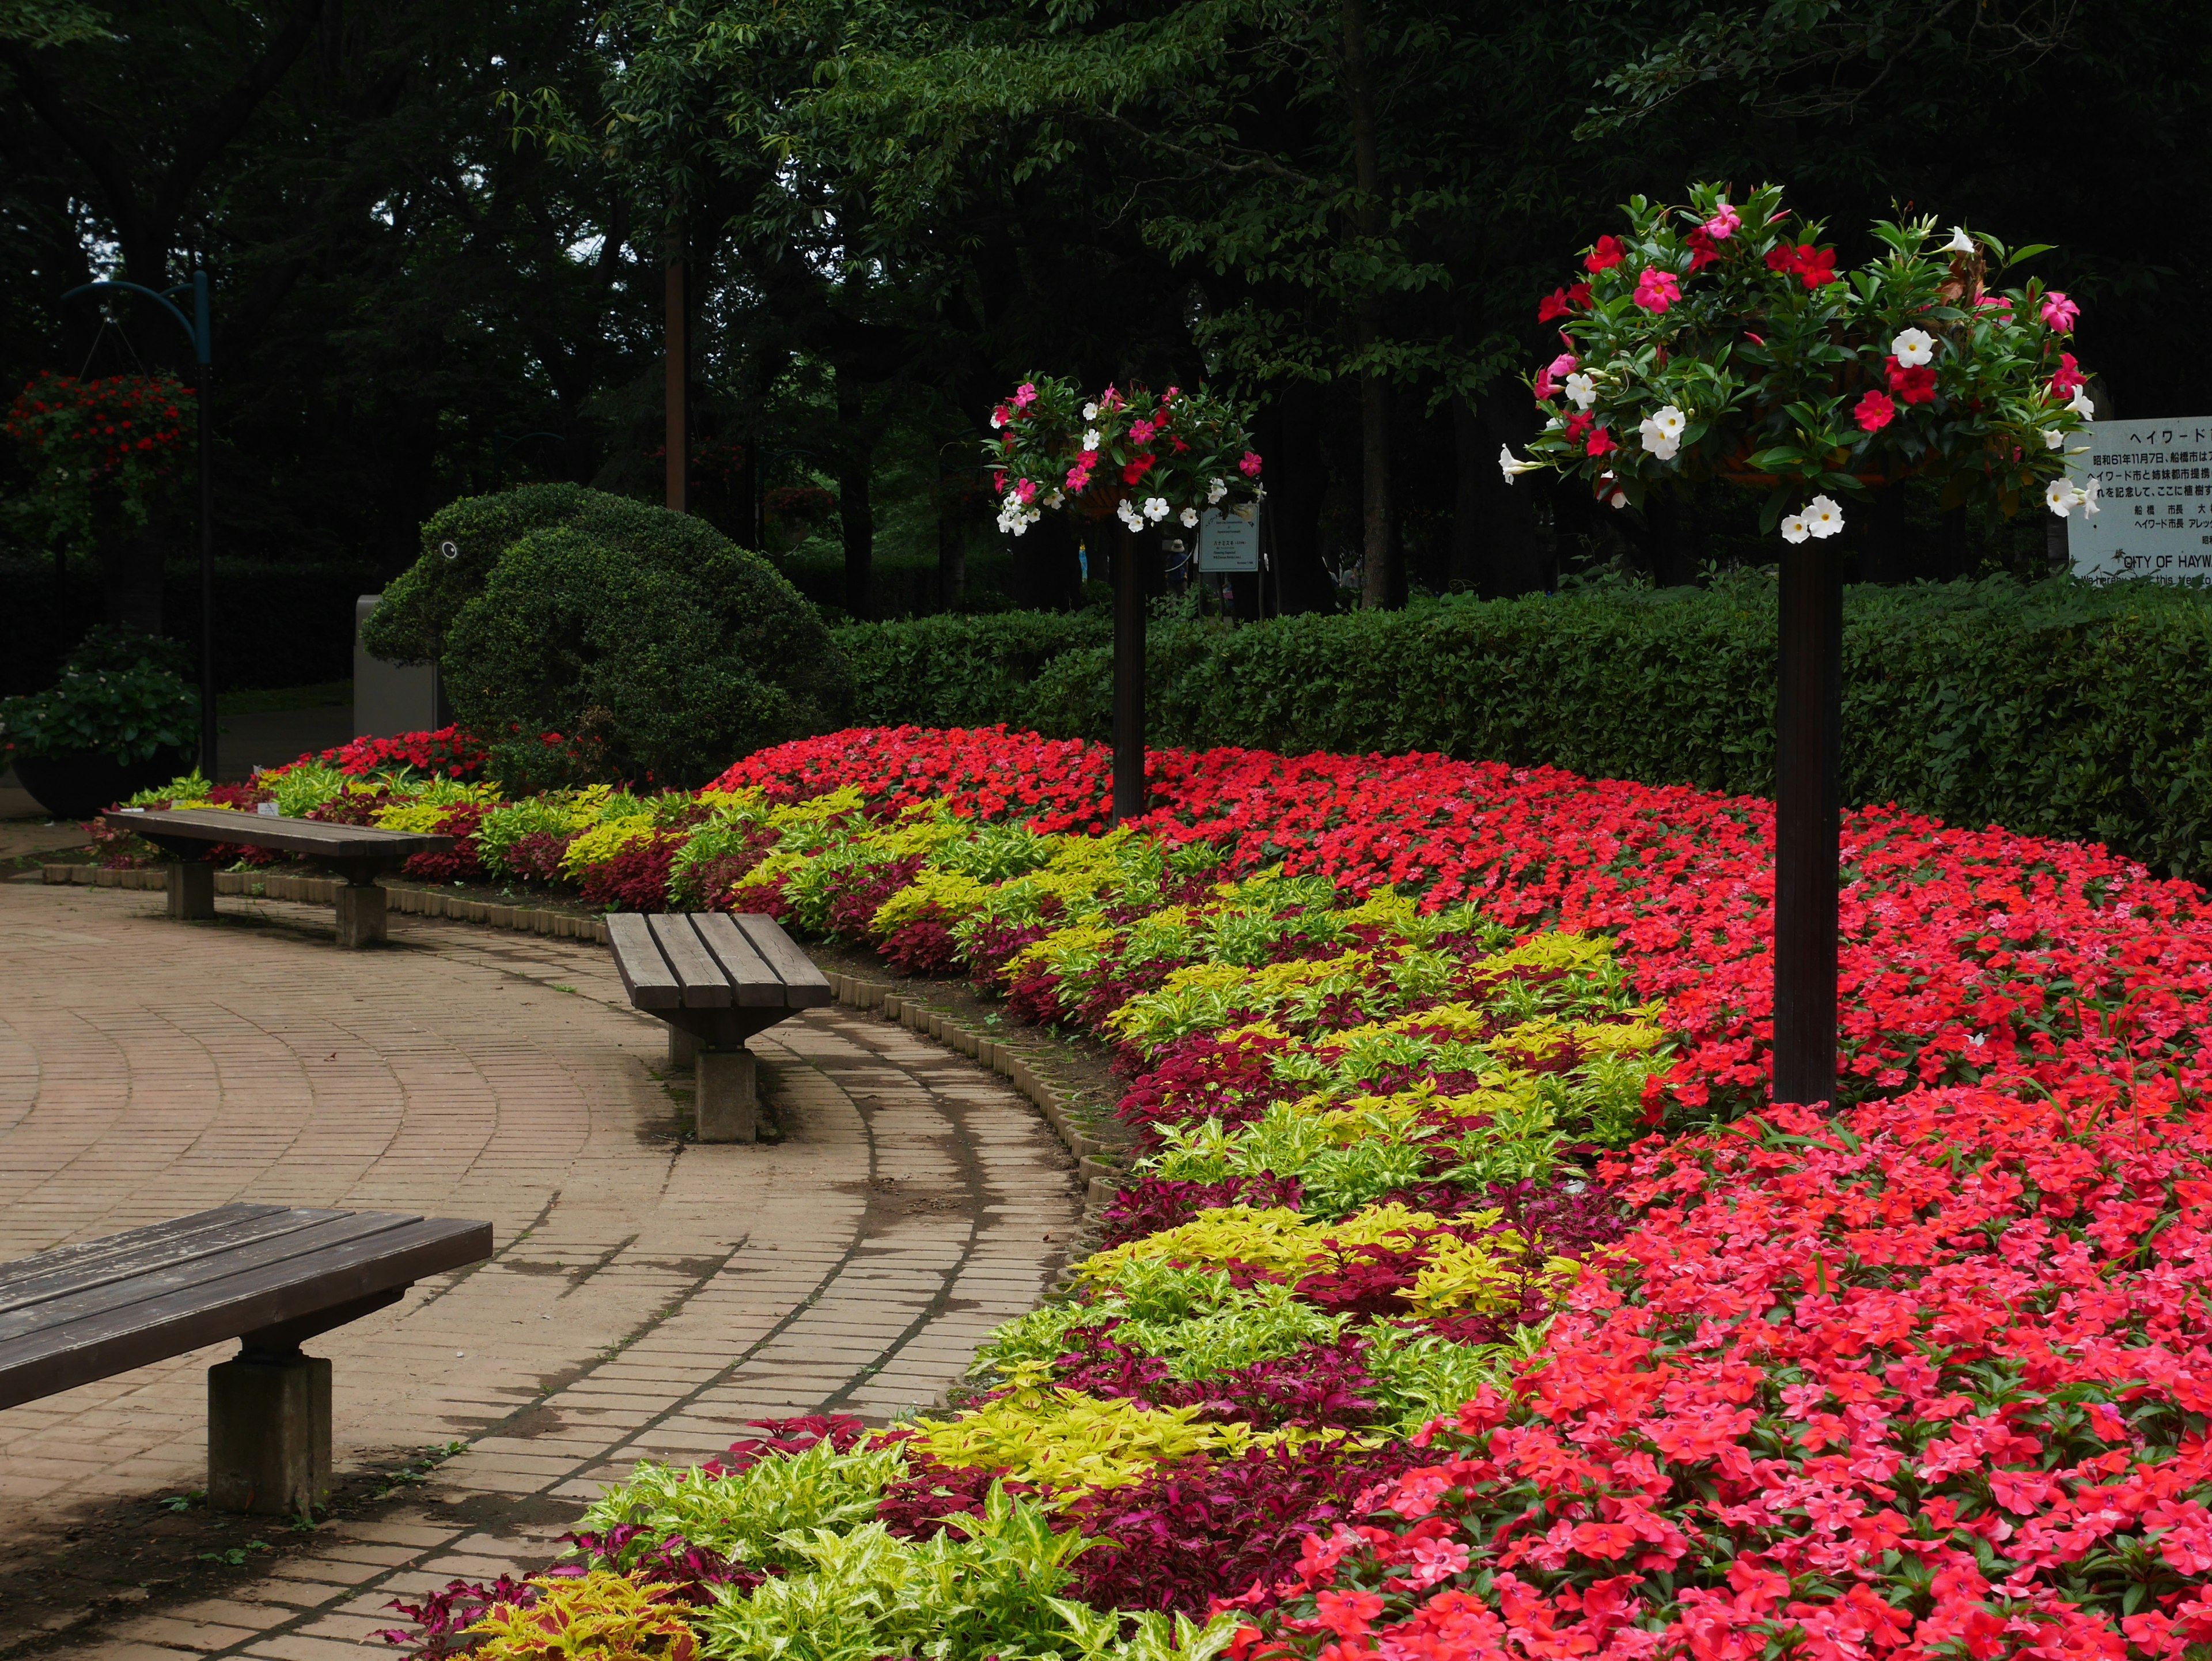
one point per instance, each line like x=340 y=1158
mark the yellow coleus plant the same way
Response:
x=1064 y=1440
x=1273 y=1238
x=603 y=1615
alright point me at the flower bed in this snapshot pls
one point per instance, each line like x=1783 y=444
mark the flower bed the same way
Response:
x=1409 y=1338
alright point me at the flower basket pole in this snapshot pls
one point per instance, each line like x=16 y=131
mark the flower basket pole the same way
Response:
x=1719 y=341
x=199 y=330
x=1152 y=463
x=1129 y=795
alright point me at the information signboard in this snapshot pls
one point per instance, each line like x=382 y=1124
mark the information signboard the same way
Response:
x=1229 y=542
x=2155 y=500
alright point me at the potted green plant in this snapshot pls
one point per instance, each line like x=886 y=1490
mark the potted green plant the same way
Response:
x=121 y=720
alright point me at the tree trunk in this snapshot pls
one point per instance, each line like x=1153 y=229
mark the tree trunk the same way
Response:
x=951 y=543
x=1494 y=550
x=855 y=462
x=1377 y=545
x=1132 y=553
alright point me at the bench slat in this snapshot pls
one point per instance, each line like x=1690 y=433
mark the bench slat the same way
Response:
x=309 y=837
x=322 y=1233
x=705 y=986
x=758 y=987
x=804 y=987
x=77 y=1352
x=645 y=972
x=74 y=1268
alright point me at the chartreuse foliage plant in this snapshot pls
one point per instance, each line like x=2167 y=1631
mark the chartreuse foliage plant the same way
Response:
x=1718 y=340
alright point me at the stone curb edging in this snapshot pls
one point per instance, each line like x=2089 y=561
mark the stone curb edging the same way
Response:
x=1095 y=1162
x=322 y=891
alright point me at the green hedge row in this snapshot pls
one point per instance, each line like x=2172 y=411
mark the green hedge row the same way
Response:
x=2058 y=709
x=956 y=671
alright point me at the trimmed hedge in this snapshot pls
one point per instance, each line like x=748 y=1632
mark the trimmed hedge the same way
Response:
x=656 y=647
x=2056 y=709
x=953 y=671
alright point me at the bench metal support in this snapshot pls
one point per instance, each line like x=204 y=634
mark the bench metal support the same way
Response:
x=191 y=889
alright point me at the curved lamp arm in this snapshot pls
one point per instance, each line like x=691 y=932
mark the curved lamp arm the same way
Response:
x=195 y=327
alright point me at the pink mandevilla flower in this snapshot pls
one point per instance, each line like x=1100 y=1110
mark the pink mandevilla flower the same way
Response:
x=1250 y=465
x=2059 y=312
x=1025 y=395
x=1725 y=223
x=1655 y=290
x=1141 y=431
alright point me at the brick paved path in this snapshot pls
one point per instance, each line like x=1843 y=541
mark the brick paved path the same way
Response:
x=646 y=1298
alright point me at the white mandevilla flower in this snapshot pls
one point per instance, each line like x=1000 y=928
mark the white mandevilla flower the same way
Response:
x=1824 y=516
x=2052 y=438
x=1091 y=413
x=1619 y=498
x=2081 y=404
x=1959 y=242
x=997 y=420
x=1215 y=489
x=1913 y=347
x=2089 y=496
x=1055 y=500
x=1156 y=509
x=1512 y=466
x=1661 y=431
x=1582 y=390
x=1090 y=438
x=1125 y=511
x=1189 y=518
x=1794 y=528
x=2060 y=498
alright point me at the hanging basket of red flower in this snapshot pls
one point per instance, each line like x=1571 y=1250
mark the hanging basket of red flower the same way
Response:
x=1719 y=340
x=127 y=433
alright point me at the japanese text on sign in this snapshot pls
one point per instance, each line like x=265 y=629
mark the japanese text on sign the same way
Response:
x=2155 y=486
x=1229 y=542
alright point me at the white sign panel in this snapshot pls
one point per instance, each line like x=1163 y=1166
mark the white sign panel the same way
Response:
x=1229 y=542
x=2154 y=491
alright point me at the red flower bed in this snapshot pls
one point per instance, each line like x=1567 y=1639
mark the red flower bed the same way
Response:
x=450 y=751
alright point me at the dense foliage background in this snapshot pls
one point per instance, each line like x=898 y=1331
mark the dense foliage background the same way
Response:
x=438 y=236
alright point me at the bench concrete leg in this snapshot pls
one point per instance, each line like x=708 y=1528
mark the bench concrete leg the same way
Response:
x=191 y=889
x=682 y=1050
x=269 y=1435
x=726 y=1098
x=361 y=915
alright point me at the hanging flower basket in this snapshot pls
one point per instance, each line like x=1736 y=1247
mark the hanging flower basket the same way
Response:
x=128 y=434
x=1718 y=340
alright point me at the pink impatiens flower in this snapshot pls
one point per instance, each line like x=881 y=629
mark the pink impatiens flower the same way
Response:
x=1026 y=491
x=1875 y=411
x=1250 y=465
x=1655 y=290
x=1141 y=431
x=1025 y=395
x=2059 y=312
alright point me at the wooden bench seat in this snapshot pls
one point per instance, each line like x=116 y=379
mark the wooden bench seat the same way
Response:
x=716 y=980
x=356 y=852
x=270 y=1276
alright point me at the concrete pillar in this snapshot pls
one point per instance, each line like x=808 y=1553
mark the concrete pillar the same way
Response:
x=682 y=1050
x=191 y=889
x=361 y=915
x=726 y=1098
x=269 y=1435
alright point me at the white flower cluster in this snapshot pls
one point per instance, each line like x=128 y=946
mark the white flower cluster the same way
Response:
x=1015 y=517
x=1823 y=517
x=1155 y=509
x=1661 y=431
x=1215 y=489
x=2062 y=498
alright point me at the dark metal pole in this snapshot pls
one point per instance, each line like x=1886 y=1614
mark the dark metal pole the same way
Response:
x=1808 y=821
x=1128 y=678
x=204 y=393
x=677 y=368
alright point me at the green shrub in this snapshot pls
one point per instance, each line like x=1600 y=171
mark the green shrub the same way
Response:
x=656 y=646
x=2055 y=708
x=122 y=694
x=950 y=671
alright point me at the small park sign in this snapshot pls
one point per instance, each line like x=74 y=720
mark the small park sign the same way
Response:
x=2154 y=496
x=1229 y=542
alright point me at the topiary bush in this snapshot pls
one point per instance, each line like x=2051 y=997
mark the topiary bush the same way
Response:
x=661 y=649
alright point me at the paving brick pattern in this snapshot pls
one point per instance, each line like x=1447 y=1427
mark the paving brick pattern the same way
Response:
x=647 y=1296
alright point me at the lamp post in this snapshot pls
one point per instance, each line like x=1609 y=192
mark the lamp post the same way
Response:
x=198 y=329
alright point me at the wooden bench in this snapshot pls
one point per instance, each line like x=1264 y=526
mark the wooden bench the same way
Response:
x=716 y=980
x=356 y=852
x=270 y=1276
